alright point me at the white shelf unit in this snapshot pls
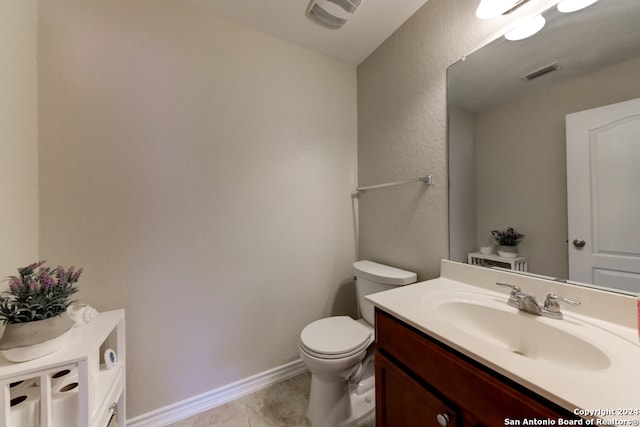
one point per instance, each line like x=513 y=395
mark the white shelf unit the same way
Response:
x=100 y=391
x=517 y=264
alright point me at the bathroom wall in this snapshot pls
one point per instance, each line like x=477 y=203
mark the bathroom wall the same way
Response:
x=201 y=173
x=462 y=188
x=531 y=133
x=18 y=136
x=402 y=130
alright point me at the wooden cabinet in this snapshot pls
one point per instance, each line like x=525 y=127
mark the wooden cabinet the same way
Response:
x=406 y=401
x=90 y=393
x=419 y=379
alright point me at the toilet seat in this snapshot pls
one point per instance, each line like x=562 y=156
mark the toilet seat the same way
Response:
x=335 y=337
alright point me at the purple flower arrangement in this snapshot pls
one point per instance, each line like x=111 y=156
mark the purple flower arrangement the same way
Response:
x=38 y=293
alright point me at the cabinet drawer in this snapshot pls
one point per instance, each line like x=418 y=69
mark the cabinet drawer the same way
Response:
x=401 y=401
x=478 y=391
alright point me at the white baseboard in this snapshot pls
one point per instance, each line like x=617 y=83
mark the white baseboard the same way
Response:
x=211 y=399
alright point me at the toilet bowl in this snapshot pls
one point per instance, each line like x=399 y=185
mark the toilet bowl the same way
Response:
x=333 y=349
x=338 y=351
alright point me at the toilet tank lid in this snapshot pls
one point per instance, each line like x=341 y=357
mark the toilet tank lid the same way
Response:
x=383 y=273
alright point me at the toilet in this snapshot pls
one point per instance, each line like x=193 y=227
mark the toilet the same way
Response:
x=338 y=351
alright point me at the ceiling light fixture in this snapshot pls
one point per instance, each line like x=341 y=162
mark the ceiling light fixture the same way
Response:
x=566 y=6
x=492 y=8
x=332 y=13
x=525 y=28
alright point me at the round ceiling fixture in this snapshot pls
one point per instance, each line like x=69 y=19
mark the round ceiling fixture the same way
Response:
x=526 y=28
x=566 y=6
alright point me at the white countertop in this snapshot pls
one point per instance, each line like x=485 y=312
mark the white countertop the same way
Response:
x=612 y=388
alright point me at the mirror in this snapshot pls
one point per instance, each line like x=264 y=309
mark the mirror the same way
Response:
x=507 y=158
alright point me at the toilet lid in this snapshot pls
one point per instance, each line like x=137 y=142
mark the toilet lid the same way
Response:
x=335 y=336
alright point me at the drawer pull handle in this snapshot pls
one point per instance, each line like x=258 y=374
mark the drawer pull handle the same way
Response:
x=443 y=419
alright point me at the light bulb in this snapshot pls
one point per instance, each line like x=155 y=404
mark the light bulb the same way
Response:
x=492 y=8
x=566 y=6
x=526 y=28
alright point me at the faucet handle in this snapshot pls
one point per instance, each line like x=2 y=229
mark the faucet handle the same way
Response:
x=514 y=296
x=514 y=288
x=552 y=305
x=553 y=299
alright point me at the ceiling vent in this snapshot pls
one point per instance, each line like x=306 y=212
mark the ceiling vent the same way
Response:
x=332 y=13
x=541 y=72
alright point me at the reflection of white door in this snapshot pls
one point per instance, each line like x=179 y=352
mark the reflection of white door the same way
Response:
x=603 y=186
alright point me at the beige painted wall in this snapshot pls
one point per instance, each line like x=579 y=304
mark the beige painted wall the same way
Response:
x=18 y=135
x=402 y=128
x=524 y=140
x=201 y=173
x=462 y=180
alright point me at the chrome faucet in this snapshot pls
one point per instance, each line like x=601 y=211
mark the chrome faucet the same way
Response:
x=529 y=304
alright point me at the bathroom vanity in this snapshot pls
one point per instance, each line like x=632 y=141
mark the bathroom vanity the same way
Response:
x=452 y=352
x=416 y=374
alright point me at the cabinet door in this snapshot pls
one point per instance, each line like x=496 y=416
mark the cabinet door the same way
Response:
x=401 y=401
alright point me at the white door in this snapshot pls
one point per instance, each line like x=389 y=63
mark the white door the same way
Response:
x=603 y=186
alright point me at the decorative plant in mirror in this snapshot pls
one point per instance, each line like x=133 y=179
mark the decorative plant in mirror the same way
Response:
x=508 y=240
x=34 y=310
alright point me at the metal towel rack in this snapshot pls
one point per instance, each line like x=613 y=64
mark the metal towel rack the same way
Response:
x=424 y=179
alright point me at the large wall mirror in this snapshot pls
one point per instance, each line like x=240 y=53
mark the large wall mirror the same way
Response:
x=507 y=137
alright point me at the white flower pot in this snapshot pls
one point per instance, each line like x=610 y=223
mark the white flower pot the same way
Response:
x=508 y=251
x=31 y=340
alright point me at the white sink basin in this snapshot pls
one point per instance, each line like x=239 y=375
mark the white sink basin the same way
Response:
x=521 y=333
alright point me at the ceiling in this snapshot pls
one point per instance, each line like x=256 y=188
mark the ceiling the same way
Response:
x=582 y=42
x=372 y=23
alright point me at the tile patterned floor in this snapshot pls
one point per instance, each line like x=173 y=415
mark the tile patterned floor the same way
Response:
x=281 y=405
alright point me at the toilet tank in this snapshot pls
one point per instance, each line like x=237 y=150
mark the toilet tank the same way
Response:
x=372 y=277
